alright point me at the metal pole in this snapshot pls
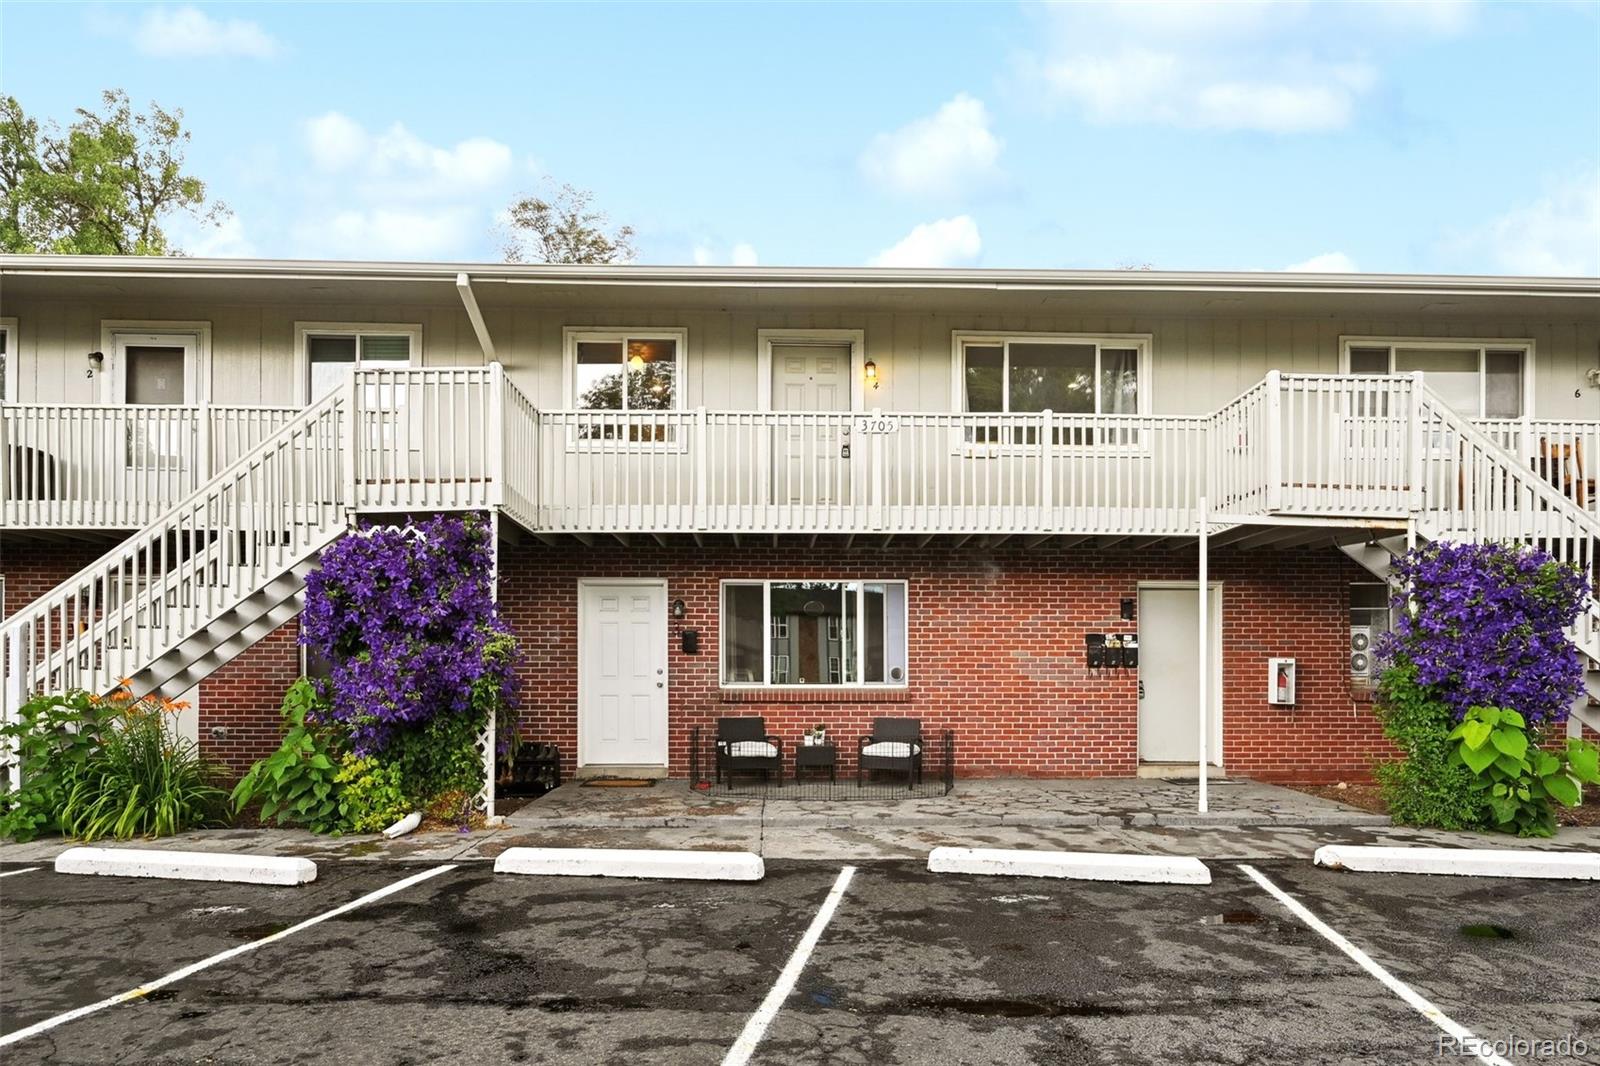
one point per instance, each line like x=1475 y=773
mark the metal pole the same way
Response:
x=490 y=755
x=1205 y=640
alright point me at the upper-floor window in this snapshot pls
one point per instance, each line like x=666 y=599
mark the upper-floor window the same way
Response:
x=1479 y=379
x=8 y=356
x=625 y=370
x=331 y=351
x=631 y=371
x=1065 y=373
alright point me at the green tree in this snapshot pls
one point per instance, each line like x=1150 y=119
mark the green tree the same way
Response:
x=102 y=186
x=563 y=227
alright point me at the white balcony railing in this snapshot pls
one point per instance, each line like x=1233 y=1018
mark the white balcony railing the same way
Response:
x=86 y=467
x=460 y=438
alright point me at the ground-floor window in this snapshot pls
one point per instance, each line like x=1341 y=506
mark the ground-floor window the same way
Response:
x=814 y=632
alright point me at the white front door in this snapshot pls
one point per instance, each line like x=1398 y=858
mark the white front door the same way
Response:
x=1169 y=674
x=809 y=462
x=622 y=673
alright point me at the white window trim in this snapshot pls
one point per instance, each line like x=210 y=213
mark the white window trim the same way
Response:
x=766 y=338
x=197 y=383
x=571 y=335
x=766 y=584
x=1143 y=342
x=1483 y=344
x=302 y=357
x=8 y=326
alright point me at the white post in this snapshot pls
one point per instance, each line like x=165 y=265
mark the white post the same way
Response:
x=1205 y=651
x=490 y=756
x=1274 y=442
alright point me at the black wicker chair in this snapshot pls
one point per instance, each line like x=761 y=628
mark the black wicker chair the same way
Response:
x=745 y=747
x=895 y=744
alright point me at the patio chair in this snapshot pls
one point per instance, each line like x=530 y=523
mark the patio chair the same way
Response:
x=895 y=744
x=745 y=747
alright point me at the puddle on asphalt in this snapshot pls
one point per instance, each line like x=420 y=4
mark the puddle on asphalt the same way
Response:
x=1243 y=917
x=823 y=997
x=1019 y=898
x=206 y=912
x=256 y=932
x=369 y=847
x=1016 y=1008
x=161 y=994
x=1488 y=931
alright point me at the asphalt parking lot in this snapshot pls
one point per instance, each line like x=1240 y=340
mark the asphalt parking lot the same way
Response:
x=912 y=968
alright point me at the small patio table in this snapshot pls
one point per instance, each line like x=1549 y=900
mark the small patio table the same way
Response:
x=817 y=755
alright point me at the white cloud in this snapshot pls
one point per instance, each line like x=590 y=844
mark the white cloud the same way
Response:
x=1275 y=67
x=390 y=194
x=393 y=232
x=741 y=254
x=944 y=243
x=1326 y=263
x=939 y=155
x=402 y=162
x=1557 y=233
x=181 y=32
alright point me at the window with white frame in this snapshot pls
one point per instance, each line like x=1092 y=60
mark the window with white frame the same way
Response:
x=8 y=363
x=633 y=372
x=1479 y=379
x=1067 y=374
x=331 y=351
x=814 y=633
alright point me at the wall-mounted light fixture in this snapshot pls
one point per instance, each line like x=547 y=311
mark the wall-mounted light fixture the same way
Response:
x=97 y=362
x=679 y=610
x=870 y=369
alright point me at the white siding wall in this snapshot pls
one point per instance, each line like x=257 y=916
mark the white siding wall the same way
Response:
x=1200 y=363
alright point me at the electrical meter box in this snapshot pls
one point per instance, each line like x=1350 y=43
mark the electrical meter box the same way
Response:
x=1280 y=682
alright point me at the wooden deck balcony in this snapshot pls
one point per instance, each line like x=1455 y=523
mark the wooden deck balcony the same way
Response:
x=449 y=439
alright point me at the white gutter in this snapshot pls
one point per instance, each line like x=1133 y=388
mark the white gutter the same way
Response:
x=818 y=277
x=475 y=316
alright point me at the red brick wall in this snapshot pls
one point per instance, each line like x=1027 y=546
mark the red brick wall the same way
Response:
x=243 y=697
x=996 y=651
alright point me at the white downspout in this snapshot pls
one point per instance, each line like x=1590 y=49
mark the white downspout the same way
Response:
x=1205 y=640
x=469 y=300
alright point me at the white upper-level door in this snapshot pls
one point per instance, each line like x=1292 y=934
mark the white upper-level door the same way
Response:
x=811 y=457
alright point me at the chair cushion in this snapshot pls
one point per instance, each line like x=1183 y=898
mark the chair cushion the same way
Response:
x=892 y=749
x=751 y=749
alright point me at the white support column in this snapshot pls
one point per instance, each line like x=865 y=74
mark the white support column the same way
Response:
x=490 y=759
x=1274 y=442
x=1205 y=650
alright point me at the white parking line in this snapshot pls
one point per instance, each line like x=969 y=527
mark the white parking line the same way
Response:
x=13 y=873
x=194 y=968
x=756 y=1027
x=1419 y=1003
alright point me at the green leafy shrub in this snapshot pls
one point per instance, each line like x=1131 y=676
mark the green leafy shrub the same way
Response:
x=1517 y=780
x=56 y=738
x=105 y=766
x=143 y=781
x=1428 y=785
x=297 y=783
x=371 y=794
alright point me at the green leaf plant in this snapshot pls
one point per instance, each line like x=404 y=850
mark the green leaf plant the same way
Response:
x=1518 y=779
x=297 y=784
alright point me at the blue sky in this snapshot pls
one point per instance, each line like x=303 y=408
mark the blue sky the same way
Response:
x=1426 y=137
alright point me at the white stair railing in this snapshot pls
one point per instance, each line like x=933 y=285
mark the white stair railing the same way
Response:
x=1474 y=490
x=273 y=508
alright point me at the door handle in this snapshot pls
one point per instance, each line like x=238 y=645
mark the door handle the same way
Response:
x=661 y=684
x=1141 y=690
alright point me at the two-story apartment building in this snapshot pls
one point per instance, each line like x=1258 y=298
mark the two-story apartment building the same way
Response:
x=817 y=495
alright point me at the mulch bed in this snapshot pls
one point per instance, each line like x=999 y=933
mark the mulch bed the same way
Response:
x=1368 y=798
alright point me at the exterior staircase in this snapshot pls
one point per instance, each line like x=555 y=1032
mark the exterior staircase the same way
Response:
x=1471 y=490
x=200 y=583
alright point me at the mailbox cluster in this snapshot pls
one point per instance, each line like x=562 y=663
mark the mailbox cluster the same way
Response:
x=1111 y=651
